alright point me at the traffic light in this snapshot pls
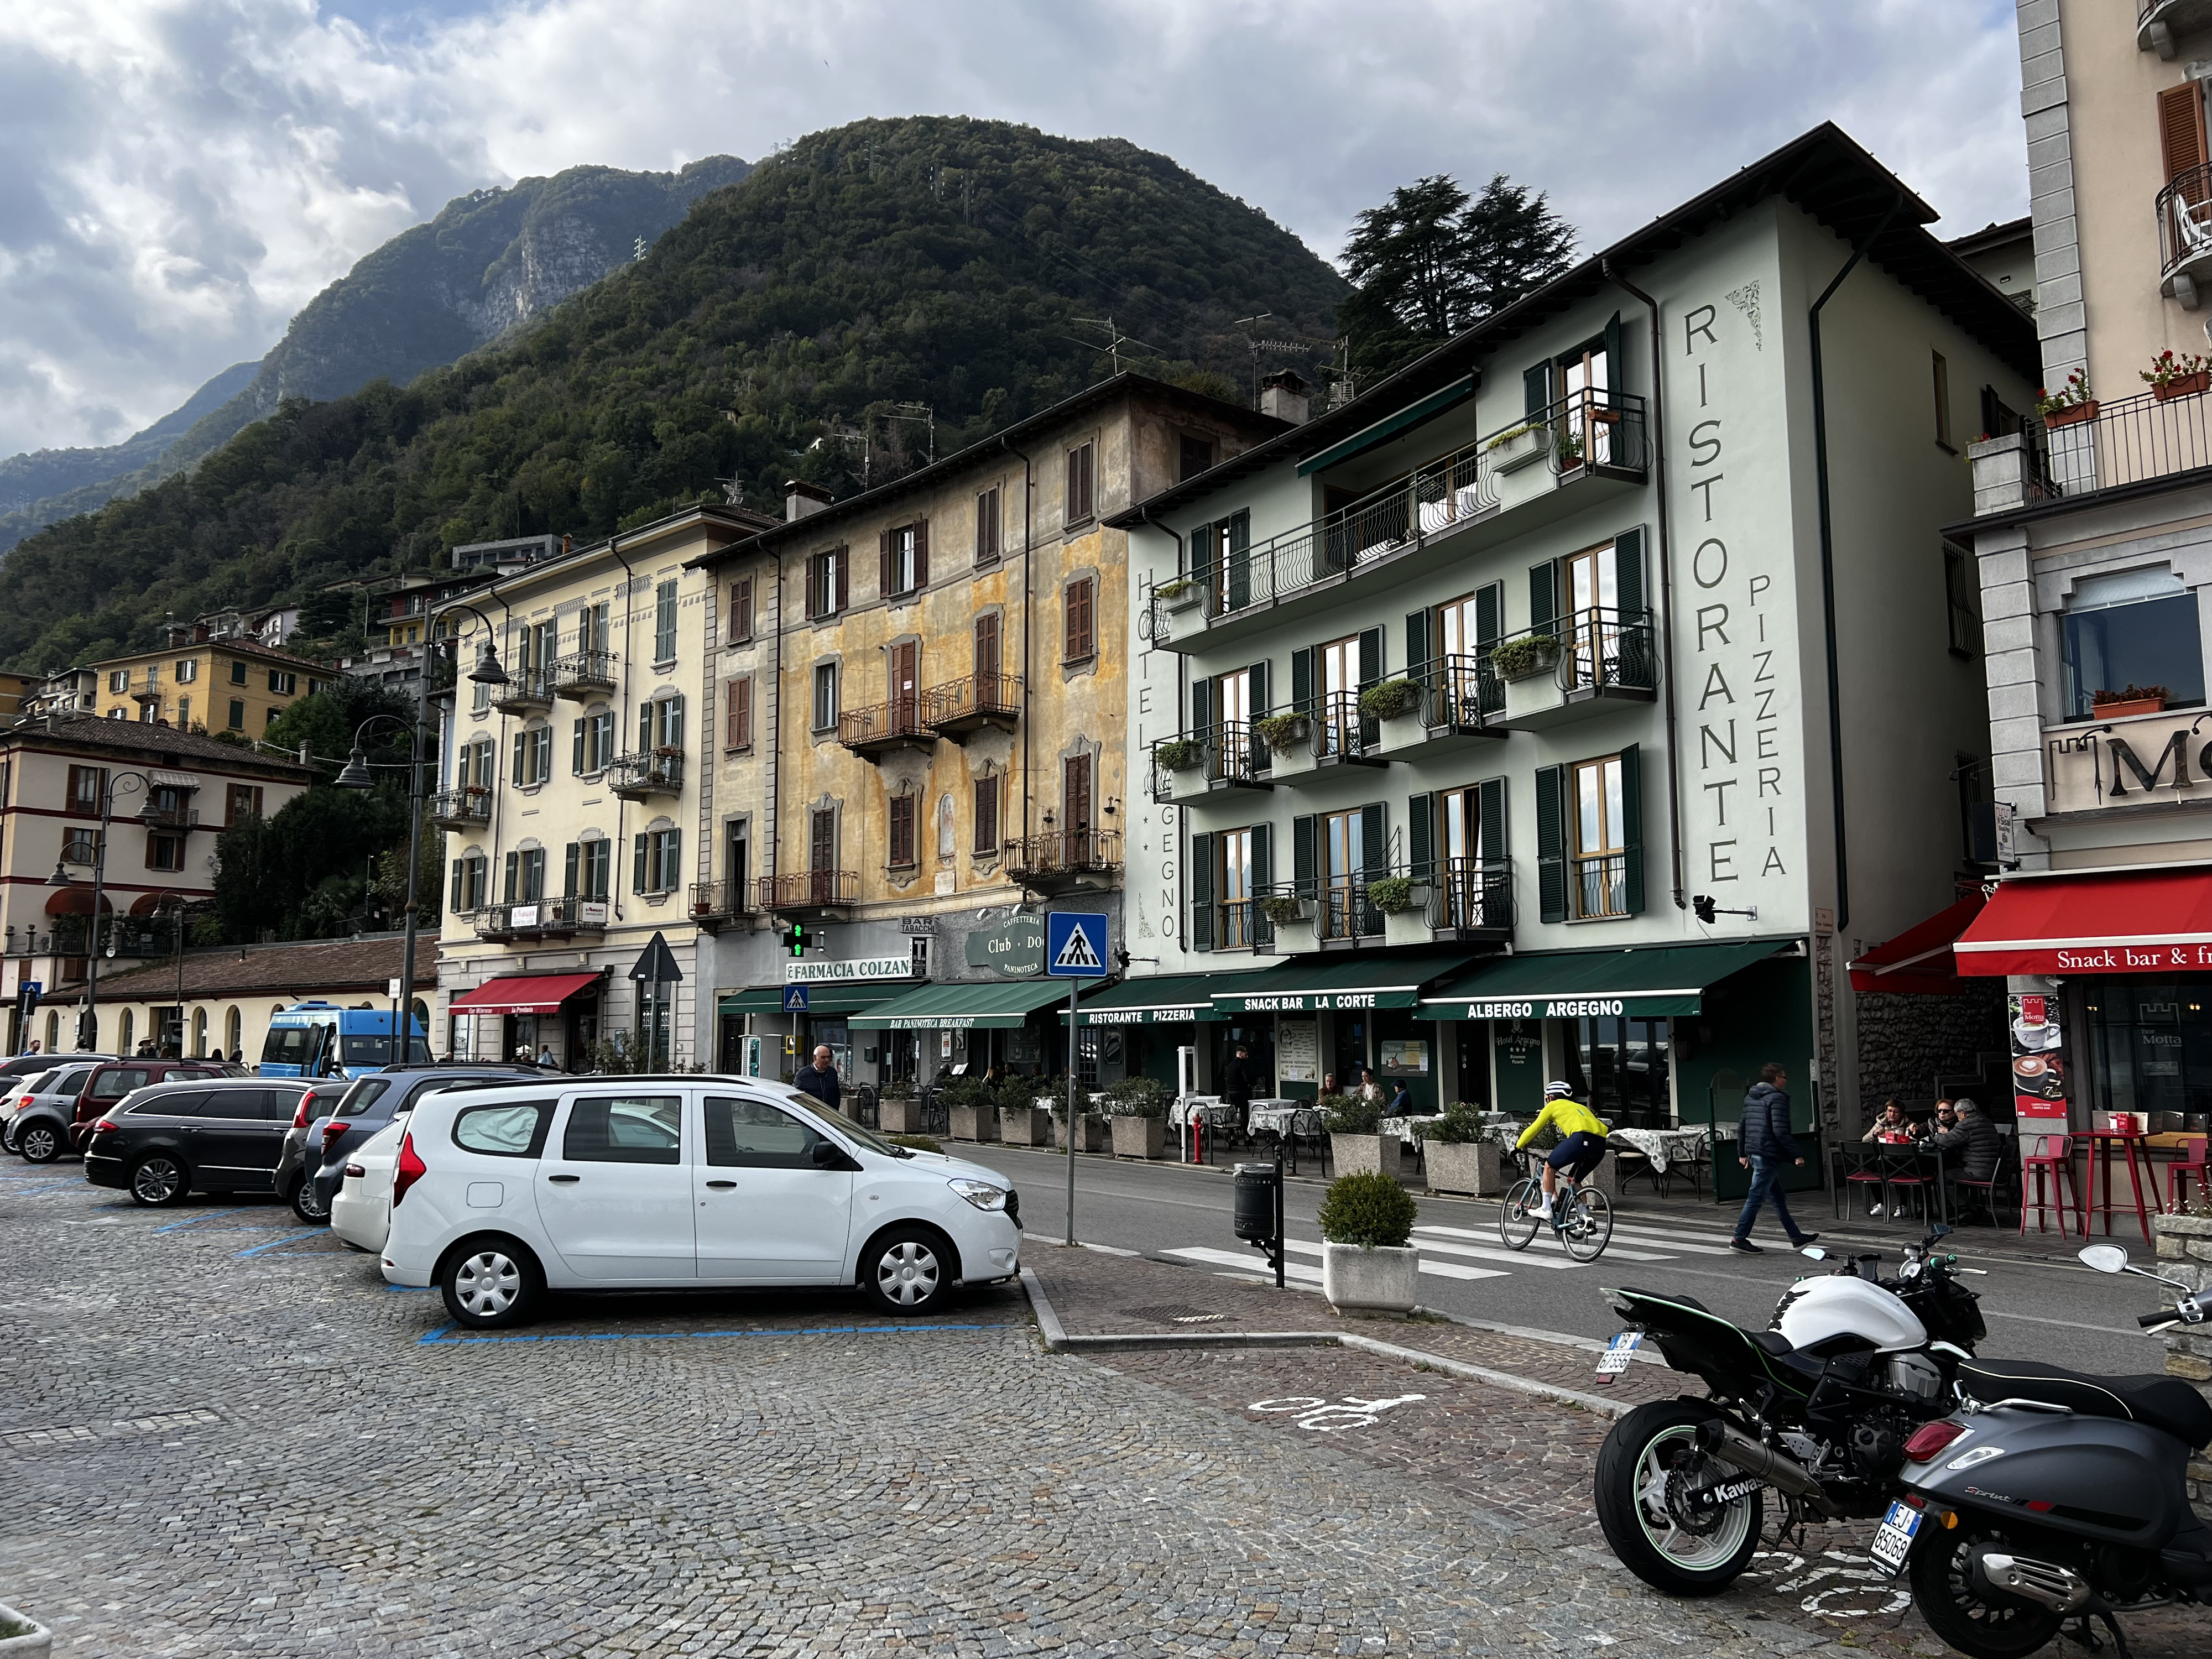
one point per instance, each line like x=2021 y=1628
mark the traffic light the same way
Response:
x=798 y=939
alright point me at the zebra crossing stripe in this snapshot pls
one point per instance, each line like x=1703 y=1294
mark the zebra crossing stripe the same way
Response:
x=1245 y=1262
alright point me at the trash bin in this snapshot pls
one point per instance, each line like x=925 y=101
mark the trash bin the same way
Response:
x=1256 y=1185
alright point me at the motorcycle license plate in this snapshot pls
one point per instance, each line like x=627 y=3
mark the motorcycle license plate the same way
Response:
x=1892 y=1539
x=1617 y=1353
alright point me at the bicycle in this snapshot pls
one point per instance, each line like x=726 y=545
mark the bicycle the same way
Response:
x=1582 y=1217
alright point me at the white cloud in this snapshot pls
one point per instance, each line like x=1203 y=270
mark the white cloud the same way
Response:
x=176 y=179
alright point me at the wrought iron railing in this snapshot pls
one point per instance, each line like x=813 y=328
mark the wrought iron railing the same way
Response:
x=720 y=898
x=1600 y=884
x=1471 y=893
x=803 y=890
x=646 y=775
x=566 y=914
x=971 y=696
x=2184 y=209
x=464 y=808
x=1236 y=754
x=1064 y=852
x=1461 y=692
x=1342 y=911
x=1241 y=925
x=1340 y=730
x=1601 y=648
x=155 y=816
x=1191 y=751
x=584 y=671
x=530 y=689
x=883 y=722
x=2126 y=442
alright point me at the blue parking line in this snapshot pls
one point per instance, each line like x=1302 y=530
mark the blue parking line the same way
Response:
x=443 y=1338
x=194 y=1221
x=57 y=1187
x=257 y=1248
x=412 y=1289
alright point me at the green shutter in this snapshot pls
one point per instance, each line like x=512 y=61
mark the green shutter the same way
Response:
x=1201 y=892
x=1417 y=645
x=569 y=873
x=513 y=867
x=1551 y=845
x=1420 y=831
x=1489 y=616
x=1632 y=828
x=1374 y=842
x=576 y=749
x=1490 y=815
x=645 y=729
x=1628 y=572
x=459 y=903
x=1370 y=657
x=1543 y=597
x=1301 y=681
x=1305 y=856
x=1201 y=706
x=1536 y=390
x=1238 y=557
x=1259 y=709
x=1263 y=877
x=637 y=883
x=520 y=739
x=1614 y=376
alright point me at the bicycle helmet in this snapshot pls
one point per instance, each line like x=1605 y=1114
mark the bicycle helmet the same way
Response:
x=1558 y=1090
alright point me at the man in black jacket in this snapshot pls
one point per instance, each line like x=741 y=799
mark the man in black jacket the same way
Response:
x=820 y=1079
x=1237 y=1084
x=1767 y=1148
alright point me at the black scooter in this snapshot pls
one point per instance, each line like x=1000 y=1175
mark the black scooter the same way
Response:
x=2053 y=1496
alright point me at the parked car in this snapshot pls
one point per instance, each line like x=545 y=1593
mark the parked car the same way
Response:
x=20 y=1068
x=57 y=1078
x=109 y=1083
x=315 y=1158
x=361 y=1208
x=658 y=1183
x=209 y=1134
x=99 y=1085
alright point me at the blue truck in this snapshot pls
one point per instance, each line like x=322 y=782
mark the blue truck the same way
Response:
x=322 y=1039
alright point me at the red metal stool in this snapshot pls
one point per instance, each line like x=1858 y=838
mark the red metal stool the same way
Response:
x=2190 y=1166
x=2053 y=1157
x=2100 y=1154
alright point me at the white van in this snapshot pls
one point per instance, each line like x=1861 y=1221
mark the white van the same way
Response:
x=660 y=1184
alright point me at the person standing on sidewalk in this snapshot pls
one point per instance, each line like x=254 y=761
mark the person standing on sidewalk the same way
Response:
x=820 y=1079
x=1236 y=1085
x=1767 y=1148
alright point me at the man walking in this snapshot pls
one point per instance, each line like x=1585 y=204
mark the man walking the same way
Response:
x=1767 y=1148
x=820 y=1079
x=1236 y=1085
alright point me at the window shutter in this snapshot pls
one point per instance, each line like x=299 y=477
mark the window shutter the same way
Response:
x=1417 y=645
x=1305 y=855
x=576 y=749
x=921 y=553
x=1201 y=892
x=671 y=722
x=458 y=903
x=513 y=867
x=518 y=741
x=1374 y=845
x=1237 y=553
x=569 y=862
x=1371 y=656
x=1301 y=681
x=1420 y=831
x=1613 y=374
x=741 y=610
x=1259 y=682
x=741 y=700
x=1631 y=830
x=842 y=558
x=645 y=728
x=1536 y=390
x=638 y=881
x=1551 y=846
x=1628 y=572
x=1203 y=540
x=1201 y=706
x=1490 y=815
x=1263 y=858
x=1543 y=605
x=1489 y=616
x=2181 y=129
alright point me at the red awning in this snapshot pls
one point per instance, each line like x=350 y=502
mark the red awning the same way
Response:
x=75 y=901
x=2160 y=922
x=1918 y=960
x=524 y=993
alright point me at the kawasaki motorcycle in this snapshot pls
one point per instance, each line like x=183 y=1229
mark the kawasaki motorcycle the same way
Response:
x=2053 y=1496
x=1816 y=1410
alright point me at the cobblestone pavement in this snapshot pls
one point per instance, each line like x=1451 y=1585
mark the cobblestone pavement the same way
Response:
x=227 y=1437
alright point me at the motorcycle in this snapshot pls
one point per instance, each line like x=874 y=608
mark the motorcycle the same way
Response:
x=1817 y=1409
x=2052 y=1495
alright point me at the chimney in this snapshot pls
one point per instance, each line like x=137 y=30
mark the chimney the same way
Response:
x=1285 y=396
x=567 y=542
x=801 y=498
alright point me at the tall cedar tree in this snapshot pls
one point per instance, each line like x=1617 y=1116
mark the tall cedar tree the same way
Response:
x=1432 y=261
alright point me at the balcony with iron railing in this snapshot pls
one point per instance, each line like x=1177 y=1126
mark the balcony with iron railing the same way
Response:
x=1597 y=886
x=158 y=816
x=2068 y=453
x=1540 y=468
x=1237 y=925
x=885 y=728
x=972 y=704
x=528 y=691
x=1470 y=899
x=1062 y=860
x=1587 y=662
x=806 y=894
x=566 y=917
x=2183 y=210
x=461 y=810
x=715 y=904
x=1462 y=701
x=642 y=777
x=1223 y=759
x=583 y=675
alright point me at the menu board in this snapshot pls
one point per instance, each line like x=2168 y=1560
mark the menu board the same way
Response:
x=1405 y=1058
x=1297 y=1051
x=2039 y=1064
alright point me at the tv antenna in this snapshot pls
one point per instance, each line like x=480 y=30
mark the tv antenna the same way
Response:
x=1114 y=339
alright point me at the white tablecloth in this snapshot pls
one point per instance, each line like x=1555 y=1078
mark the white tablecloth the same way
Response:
x=1407 y=1129
x=1665 y=1146
x=1209 y=1109
x=1297 y=1117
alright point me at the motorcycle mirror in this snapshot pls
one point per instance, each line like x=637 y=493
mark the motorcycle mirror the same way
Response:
x=2105 y=1258
x=1815 y=1252
x=1941 y=1230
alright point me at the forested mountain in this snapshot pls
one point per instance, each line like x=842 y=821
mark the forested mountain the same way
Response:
x=489 y=260
x=933 y=261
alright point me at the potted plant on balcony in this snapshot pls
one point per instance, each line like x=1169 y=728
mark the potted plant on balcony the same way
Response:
x=1404 y=902
x=1179 y=593
x=1368 y=1265
x=1525 y=656
x=1517 y=445
x=1461 y=1156
x=1399 y=707
x=2174 y=375
x=2130 y=700
x=1179 y=754
x=1356 y=1140
x=1140 y=1124
x=1284 y=732
x=1292 y=918
x=2069 y=404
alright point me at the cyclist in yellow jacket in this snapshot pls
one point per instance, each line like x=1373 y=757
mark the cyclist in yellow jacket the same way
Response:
x=1582 y=1145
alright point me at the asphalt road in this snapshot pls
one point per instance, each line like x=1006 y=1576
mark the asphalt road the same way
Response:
x=2054 y=1310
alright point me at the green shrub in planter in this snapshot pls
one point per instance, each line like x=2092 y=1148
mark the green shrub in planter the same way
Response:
x=1175 y=587
x=1350 y=1115
x=1391 y=895
x=917 y=1143
x=1015 y=1092
x=1283 y=908
x=1181 y=754
x=1517 y=659
x=1460 y=1126
x=1392 y=700
x=1136 y=1097
x=1282 y=732
x=964 y=1091
x=1510 y=434
x=1368 y=1210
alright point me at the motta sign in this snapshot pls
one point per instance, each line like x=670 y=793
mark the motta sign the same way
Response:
x=858 y=968
x=1014 y=947
x=2147 y=760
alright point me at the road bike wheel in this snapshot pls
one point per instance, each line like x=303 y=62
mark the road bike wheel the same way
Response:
x=1519 y=1221
x=1589 y=1226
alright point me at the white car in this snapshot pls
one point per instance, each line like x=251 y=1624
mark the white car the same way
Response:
x=360 y=1209
x=660 y=1184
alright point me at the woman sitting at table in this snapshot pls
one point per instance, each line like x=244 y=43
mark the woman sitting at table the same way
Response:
x=1893 y=1127
x=1401 y=1103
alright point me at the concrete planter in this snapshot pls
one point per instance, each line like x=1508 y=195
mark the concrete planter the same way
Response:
x=1293 y=762
x=1093 y=1133
x=1534 y=694
x=1184 y=623
x=1405 y=731
x=1024 y=1126
x=1186 y=598
x=2184 y=1252
x=899 y=1117
x=1189 y=784
x=1383 y=1278
x=1298 y=935
x=1410 y=926
x=1365 y=1154
x=34 y=1643
x=975 y=1123
x=1477 y=1167
x=1140 y=1137
x=1524 y=448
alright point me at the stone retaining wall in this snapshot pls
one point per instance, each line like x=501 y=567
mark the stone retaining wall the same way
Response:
x=1905 y=1042
x=2184 y=1252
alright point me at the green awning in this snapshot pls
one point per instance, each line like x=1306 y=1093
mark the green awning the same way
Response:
x=1645 y=981
x=820 y=999
x=1391 y=426
x=998 y=1006
x=1162 y=999
x=1351 y=979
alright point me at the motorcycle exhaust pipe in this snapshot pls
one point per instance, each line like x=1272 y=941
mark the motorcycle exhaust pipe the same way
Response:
x=2045 y=1583
x=1740 y=1451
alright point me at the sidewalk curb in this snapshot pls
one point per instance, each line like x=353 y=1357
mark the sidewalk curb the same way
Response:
x=1057 y=1340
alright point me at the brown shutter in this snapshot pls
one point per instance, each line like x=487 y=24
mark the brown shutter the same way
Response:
x=741 y=610
x=844 y=558
x=884 y=565
x=986 y=651
x=1078 y=643
x=986 y=815
x=2181 y=129
x=920 y=553
x=740 y=734
x=1075 y=795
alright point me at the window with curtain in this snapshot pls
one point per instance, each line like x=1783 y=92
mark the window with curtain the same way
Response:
x=587 y=869
x=660 y=724
x=591 y=742
x=470 y=880
x=525 y=877
x=825 y=696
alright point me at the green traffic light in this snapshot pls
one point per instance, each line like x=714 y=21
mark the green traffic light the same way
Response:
x=798 y=939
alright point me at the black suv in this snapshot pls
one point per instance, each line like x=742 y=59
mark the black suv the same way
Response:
x=209 y=1135
x=315 y=1162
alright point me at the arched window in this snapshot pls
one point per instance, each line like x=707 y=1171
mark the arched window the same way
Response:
x=53 y=1031
x=124 y=1040
x=199 y=1034
x=235 y=1040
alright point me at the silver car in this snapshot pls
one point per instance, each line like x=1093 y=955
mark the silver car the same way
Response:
x=43 y=1106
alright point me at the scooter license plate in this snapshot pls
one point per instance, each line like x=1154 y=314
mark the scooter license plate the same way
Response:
x=1618 y=1354
x=1892 y=1539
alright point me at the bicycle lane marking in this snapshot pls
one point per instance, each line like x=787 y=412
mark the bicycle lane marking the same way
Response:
x=1311 y=1411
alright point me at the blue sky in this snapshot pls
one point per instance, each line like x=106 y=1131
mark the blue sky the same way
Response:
x=178 y=176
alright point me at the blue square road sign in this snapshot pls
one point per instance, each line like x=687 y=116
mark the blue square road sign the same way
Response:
x=1075 y=944
x=794 y=999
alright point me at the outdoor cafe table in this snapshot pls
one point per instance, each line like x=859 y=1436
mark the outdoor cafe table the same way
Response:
x=1683 y=1148
x=2100 y=1154
x=1923 y=1164
x=1284 y=1117
x=1407 y=1129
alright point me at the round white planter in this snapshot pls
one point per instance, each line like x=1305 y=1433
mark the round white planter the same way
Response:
x=1382 y=1279
x=35 y=1644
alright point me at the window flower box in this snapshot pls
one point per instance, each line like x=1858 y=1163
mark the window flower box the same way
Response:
x=2070 y=414
x=1180 y=595
x=1510 y=451
x=2184 y=386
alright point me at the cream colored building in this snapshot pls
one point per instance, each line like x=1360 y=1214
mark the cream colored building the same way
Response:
x=570 y=797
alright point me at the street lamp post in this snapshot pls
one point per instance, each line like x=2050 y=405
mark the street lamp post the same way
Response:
x=357 y=775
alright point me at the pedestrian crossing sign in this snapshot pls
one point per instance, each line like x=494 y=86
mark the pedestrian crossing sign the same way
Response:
x=1075 y=944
